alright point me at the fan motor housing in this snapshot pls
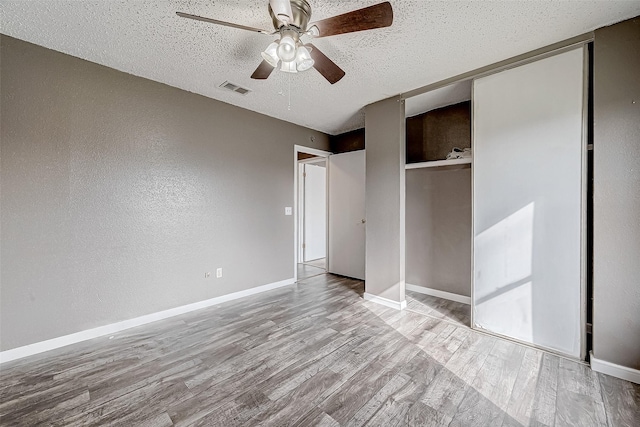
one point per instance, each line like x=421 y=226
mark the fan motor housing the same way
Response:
x=301 y=14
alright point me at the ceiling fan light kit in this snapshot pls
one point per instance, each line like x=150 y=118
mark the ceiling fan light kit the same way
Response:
x=291 y=21
x=271 y=54
x=288 y=67
x=287 y=49
x=293 y=54
x=303 y=59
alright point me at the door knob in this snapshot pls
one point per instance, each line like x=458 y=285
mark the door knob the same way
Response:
x=363 y=220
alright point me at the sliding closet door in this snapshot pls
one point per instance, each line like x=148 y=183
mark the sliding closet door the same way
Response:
x=528 y=196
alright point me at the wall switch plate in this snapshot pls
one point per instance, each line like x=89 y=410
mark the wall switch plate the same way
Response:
x=288 y=210
x=219 y=273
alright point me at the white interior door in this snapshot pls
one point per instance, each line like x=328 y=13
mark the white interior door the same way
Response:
x=347 y=214
x=527 y=205
x=315 y=211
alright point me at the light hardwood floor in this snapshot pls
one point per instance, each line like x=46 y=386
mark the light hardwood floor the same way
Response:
x=320 y=263
x=306 y=271
x=451 y=311
x=314 y=353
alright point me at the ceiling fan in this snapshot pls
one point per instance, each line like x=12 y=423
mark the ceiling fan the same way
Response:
x=291 y=22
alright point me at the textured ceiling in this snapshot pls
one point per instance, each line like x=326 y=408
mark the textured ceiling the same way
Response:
x=429 y=41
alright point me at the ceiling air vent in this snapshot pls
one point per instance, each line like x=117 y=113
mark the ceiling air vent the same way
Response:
x=235 y=88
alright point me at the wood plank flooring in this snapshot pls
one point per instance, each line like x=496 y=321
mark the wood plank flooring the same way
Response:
x=320 y=263
x=306 y=271
x=452 y=311
x=312 y=354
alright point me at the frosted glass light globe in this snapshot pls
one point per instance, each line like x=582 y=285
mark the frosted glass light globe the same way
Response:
x=287 y=49
x=303 y=59
x=270 y=54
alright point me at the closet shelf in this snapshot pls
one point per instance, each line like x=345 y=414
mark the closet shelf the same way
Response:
x=438 y=163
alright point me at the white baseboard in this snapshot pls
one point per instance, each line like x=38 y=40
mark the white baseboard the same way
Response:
x=386 y=302
x=42 y=346
x=440 y=294
x=614 y=370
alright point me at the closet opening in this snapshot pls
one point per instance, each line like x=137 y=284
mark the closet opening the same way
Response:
x=439 y=203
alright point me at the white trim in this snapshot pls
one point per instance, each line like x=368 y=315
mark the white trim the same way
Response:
x=614 y=370
x=42 y=346
x=438 y=163
x=440 y=294
x=385 y=301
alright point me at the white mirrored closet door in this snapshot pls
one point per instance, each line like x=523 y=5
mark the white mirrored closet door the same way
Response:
x=528 y=196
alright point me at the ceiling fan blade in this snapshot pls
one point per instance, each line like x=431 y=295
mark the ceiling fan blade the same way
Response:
x=226 y=24
x=263 y=71
x=325 y=66
x=376 y=16
x=282 y=10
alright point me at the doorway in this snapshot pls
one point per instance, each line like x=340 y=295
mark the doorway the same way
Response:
x=311 y=212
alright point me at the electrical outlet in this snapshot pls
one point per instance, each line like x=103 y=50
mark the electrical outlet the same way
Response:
x=219 y=273
x=207 y=274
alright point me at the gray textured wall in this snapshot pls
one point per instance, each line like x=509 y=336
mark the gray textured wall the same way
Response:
x=348 y=141
x=385 y=199
x=439 y=229
x=119 y=193
x=616 y=246
x=432 y=135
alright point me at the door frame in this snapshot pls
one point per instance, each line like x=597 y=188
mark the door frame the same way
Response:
x=296 y=177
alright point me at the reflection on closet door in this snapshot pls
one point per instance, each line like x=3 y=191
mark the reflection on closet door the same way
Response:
x=528 y=194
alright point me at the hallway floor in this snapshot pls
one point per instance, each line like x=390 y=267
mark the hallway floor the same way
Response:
x=312 y=268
